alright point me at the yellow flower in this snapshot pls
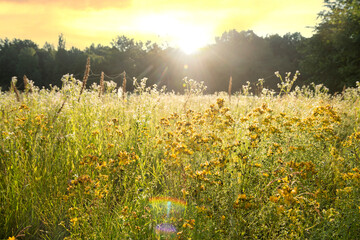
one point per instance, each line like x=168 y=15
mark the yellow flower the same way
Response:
x=74 y=220
x=274 y=199
x=11 y=238
x=257 y=165
x=242 y=196
x=110 y=145
x=94 y=133
x=220 y=102
x=254 y=136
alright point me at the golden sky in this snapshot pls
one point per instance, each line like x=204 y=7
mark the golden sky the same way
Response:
x=177 y=22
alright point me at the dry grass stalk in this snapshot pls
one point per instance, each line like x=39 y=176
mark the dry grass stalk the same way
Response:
x=230 y=86
x=62 y=106
x=124 y=85
x=101 y=89
x=22 y=232
x=13 y=88
x=27 y=86
x=86 y=76
x=58 y=111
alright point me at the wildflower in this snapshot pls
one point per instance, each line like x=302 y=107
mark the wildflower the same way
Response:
x=74 y=220
x=189 y=223
x=274 y=199
x=110 y=145
x=94 y=133
x=201 y=209
x=220 y=102
x=254 y=136
x=242 y=196
x=23 y=106
x=244 y=119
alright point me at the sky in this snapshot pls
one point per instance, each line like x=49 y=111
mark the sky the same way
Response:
x=188 y=24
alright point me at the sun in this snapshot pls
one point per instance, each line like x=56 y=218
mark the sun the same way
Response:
x=188 y=36
x=192 y=40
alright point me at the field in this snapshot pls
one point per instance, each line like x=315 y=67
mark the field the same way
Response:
x=156 y=165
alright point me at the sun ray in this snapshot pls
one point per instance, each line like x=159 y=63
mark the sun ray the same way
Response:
x=189 y=37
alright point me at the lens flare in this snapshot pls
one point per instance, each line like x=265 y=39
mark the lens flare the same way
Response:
x=164 y=211
x=166 y=229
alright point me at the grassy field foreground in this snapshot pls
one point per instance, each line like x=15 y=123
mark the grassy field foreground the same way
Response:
x=155 y=165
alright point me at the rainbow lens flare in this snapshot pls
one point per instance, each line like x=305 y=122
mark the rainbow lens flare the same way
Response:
x=166 y=210
x=167 y=207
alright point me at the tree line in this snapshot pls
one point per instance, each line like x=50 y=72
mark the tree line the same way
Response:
x=331 y=56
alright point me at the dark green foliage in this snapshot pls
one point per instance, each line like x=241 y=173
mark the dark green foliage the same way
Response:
x=17 y=57
x=244 y=55
x=332 y=55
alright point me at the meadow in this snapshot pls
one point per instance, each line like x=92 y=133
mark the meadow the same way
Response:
x=97 y=163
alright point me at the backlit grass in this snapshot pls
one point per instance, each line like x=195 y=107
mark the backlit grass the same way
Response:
x=155 y=165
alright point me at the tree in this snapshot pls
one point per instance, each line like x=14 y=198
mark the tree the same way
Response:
x=46 y=64
x=28 y=63
x=332 y=55
x=123 y=43
x=11 y=54
x=61 y=42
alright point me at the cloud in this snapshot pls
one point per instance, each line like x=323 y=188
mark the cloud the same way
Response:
x=75 y=4
x=98 y=21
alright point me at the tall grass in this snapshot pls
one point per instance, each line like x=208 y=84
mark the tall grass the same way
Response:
x=269 y=167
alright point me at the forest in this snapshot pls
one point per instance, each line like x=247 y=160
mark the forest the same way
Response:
x=330 y=57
